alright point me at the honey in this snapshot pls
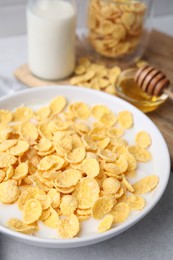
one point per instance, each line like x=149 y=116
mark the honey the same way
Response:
x=131 y=92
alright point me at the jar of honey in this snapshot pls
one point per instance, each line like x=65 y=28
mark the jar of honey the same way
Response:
x=127 y=88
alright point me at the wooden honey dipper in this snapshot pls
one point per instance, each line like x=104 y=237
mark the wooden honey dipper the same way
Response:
x=152 y=81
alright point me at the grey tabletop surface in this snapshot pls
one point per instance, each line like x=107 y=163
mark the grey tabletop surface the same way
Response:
x=151 y=238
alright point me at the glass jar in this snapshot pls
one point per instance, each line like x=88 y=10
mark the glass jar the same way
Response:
x=118 y=30
x=127 y=88
x=51 y=28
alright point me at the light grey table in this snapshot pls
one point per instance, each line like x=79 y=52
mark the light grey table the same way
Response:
x=151 y=238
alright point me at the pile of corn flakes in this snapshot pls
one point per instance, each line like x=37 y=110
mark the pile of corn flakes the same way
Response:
x=95 y=76
x=115 y=27
x=61 y=168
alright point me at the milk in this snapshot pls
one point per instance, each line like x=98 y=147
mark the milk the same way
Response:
x=51 y=38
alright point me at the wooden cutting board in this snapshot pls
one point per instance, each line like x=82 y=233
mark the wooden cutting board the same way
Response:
x=159 y=54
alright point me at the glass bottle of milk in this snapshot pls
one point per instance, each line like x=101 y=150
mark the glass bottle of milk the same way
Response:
x=51 y=38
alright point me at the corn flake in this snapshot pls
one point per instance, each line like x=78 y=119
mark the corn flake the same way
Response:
x=108 y=119
x=20 y=148
x=2 y=175
x=32 y=211
x=44 y=130
x=143 y=139
x=20 y=171
x=120 y=193
x=140 y=154
x=84 y=61
x=83 y=217
x=43 y=113
x=102 y=144
x=97 y=133
x=53 y=220
x=120 y=212
x=67 y=178
x=4 y=133
x=83 y=212
x=69 y=227
x=146 y=184
x=58 y=104
x=9 y=173
x=113 y=74
x=128 y=185
x=80 y=110
x=102 y=206
x=90 y=167
x=55 y=198
x=106 y=223
x=111 y=168
x=111 y=185
x=135 y=202
x=141 y=63
x=79 y=70
x=68 y=205
x=51 y=161
x=115 y=132
x=19 y=226
x=125 y=119
x=9 y=192
x=7 y=160
x=76 y=142
x=44 y=145
x=7 y=144
x=99 y=110
x=45 y=201
x=76 y=155
x=65 y=190
x=45 y=214
x=86 y=192
x=81 y=128
x=22 y=114
x=5 y=116
x=107 y=155
x=132 y=163
x=27 y=194
x=29 y=132
x=122 y=163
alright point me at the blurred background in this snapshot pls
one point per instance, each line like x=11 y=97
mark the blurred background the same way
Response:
x=12 y=15
x=13 y=40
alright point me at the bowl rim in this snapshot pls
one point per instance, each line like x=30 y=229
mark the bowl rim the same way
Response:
x=116 y=230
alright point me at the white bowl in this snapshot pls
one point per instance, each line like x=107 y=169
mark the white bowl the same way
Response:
x=160 y=164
